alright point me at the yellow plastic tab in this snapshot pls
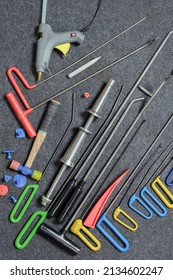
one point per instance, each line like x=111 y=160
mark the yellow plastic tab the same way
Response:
x=157 y=182
x=36 y=175
x=64 y=48
x=117 y=211
x=77 y=227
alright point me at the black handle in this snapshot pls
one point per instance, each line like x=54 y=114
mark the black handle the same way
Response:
x=60 y=200
x=59 y=239
x=49 y=115
x=69 y=204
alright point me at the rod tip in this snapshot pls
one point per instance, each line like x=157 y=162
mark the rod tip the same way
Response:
x=39 y=75
x=152 y=40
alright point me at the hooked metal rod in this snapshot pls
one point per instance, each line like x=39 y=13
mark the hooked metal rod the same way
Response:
x=80 y=205
x=158 y=168
x=91 y=146
x=139 y=163
x=110 y=137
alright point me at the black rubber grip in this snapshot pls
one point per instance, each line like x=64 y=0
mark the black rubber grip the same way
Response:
x=59 y=239
x=69 y=205
x=61 y=199
x=49 y=115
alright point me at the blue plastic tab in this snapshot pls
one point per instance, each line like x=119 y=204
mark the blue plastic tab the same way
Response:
x=134 y=198
x=168 y=180
x=103 y=219
x=146 y=191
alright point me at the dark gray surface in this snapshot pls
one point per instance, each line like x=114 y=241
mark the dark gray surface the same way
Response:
x=19 y=21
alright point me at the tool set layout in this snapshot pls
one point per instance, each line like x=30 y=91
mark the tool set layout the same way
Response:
x=69 y=206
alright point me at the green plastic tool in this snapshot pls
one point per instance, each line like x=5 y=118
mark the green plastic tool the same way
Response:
x=18 y=243
x=33 y=188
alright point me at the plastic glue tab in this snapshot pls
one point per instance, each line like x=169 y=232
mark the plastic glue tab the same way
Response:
x=156 y=184
x=119 y=211
x=3 y=190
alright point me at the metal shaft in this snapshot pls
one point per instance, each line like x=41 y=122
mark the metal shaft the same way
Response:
x=158 y=168
x=110 y=137
x=88 y=151
x=115 y=152
x=96 y=49
x=73 y=149
x=98 y=72
x=44 y=10
x=140 y=162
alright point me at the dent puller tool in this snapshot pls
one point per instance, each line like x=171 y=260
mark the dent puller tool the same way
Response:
x=70 y=155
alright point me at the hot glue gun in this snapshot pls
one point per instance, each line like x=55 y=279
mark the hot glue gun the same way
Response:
x=49 y=40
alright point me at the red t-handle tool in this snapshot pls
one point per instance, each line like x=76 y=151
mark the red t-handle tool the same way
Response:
x=12 y=100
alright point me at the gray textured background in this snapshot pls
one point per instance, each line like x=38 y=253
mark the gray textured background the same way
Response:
x=18 y=33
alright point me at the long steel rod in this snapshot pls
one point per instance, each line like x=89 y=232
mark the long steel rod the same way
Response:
x=96 y=49
x=115 y=152
x=139 y=164
x=110 y=137
x=96 y=73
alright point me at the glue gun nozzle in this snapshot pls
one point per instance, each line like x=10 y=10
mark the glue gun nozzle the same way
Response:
x=39 y=75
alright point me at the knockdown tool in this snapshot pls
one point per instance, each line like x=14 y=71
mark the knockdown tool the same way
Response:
x=69 y=157
x=50 y=40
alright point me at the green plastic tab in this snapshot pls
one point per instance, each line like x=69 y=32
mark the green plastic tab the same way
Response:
x=21 y=245
x=33 y=189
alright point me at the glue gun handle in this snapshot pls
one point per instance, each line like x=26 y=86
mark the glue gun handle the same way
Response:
x=49 y=40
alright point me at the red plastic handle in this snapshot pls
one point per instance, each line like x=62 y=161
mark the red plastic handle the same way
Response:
x=15 y=70
x=21 y=114
x=94 y=214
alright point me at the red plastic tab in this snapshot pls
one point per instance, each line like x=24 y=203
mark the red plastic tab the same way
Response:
x=3 y=190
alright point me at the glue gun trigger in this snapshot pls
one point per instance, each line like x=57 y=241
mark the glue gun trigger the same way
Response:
x=63 y=48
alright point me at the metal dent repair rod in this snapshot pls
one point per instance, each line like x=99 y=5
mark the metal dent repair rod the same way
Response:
x=98 y=72
x=53 y=211
x=60 y=237
x=77 y=189
x=96 y=49
x=22 y=115
x=56 y=237
x=122 y=141
x=81 y=162
x=69 y=157
x=113 y=63
x=92 y=216
x=103 y=219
